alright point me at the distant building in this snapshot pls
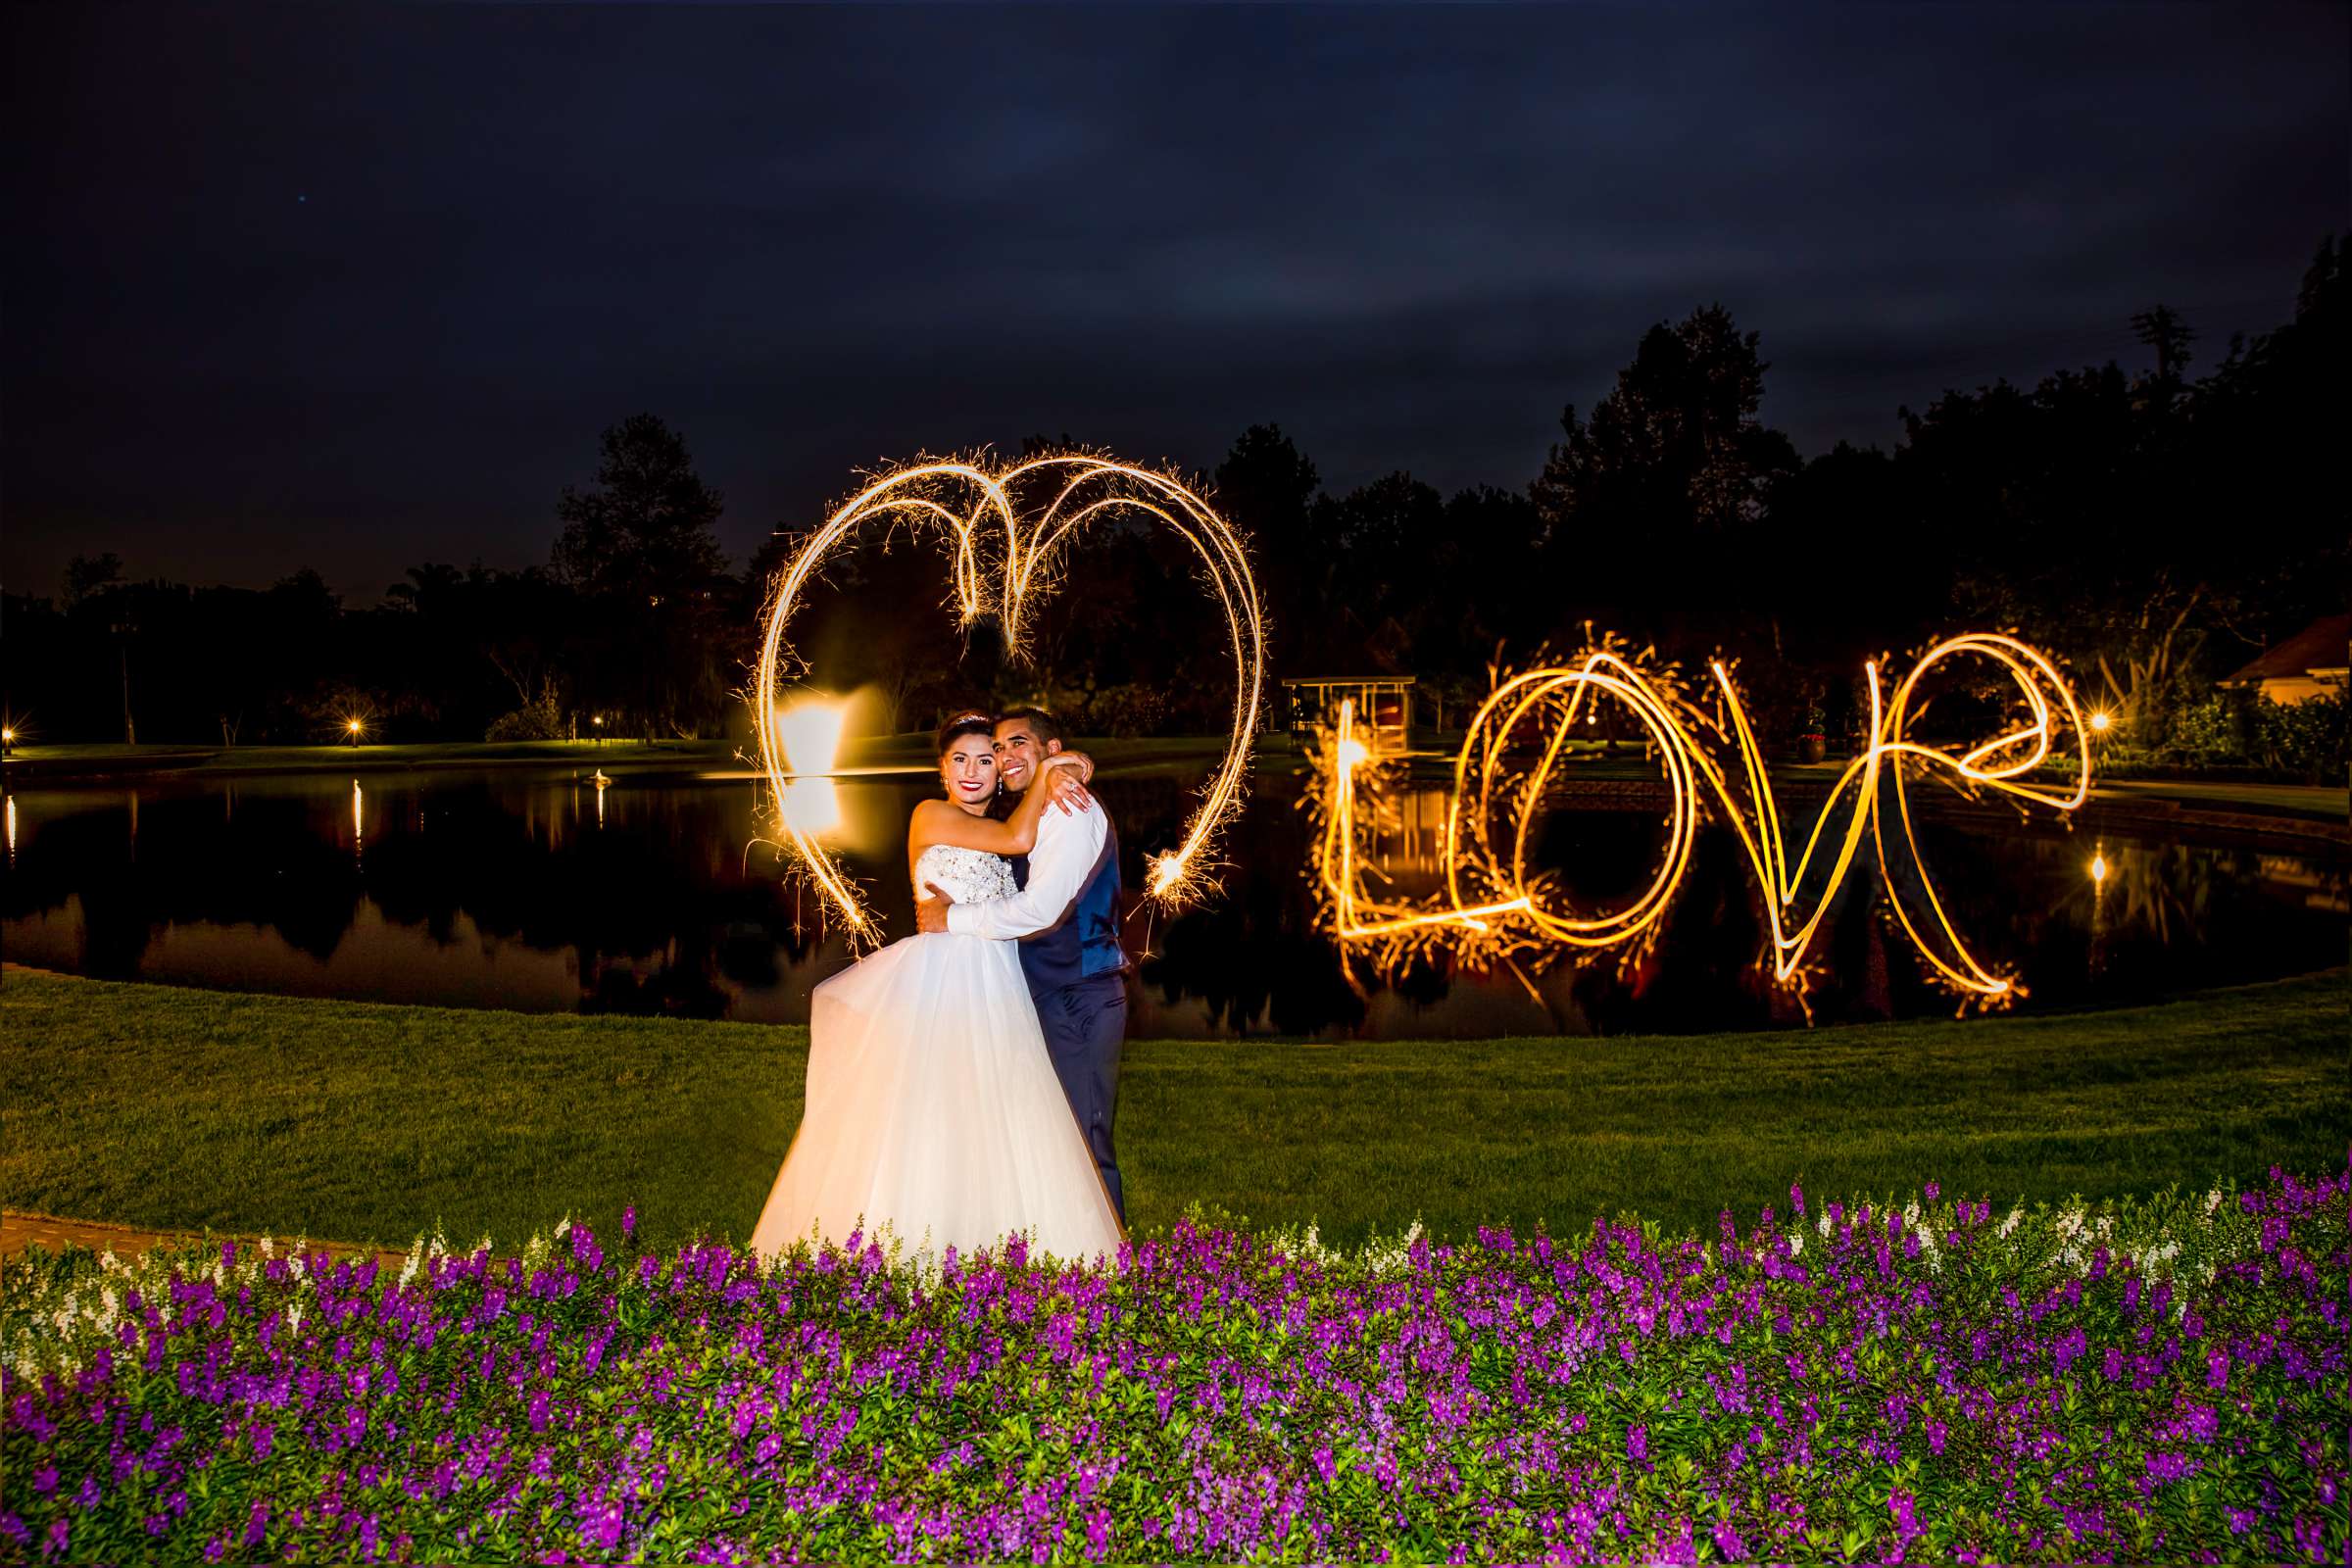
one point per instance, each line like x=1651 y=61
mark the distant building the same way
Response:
x=2313 y=662
x=1384 y=705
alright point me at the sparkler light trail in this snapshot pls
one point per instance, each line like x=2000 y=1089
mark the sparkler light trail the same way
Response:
x=1002 y=550
x=1496 y=908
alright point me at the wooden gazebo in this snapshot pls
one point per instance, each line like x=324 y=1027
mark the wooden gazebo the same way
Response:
x=1384 y=705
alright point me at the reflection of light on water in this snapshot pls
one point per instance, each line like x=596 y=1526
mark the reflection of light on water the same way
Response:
x=811 y=737
x=2320 y=890
x=812 y=805
x=12 y=827
x=1408 y=837
x=2098 y=867
x=602 y=784
x=358 y=829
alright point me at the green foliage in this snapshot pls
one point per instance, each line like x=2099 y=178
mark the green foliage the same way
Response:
x=2311 y=739
x=540 y=720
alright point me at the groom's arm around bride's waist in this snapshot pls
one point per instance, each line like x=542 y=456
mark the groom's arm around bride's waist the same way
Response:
x=1068 y=847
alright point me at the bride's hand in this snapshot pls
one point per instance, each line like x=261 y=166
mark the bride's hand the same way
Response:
x=1066 y=776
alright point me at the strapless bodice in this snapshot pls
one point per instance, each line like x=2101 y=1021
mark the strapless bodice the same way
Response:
x=969 y=876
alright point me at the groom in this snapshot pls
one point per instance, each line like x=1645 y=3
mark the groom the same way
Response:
x=1066 y=917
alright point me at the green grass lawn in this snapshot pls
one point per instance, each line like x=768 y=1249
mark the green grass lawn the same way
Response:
x=161 y=1107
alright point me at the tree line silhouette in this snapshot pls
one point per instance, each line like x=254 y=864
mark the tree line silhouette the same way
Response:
x=2153 y=527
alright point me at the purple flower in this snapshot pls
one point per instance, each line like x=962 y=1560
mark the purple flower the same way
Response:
x=1796 y=1198
x=1637 y=1442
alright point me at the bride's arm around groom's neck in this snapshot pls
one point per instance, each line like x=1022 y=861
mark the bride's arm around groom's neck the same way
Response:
x=1067 y=848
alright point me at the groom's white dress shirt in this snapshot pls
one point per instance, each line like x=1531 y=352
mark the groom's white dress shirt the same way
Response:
x=1068 y=844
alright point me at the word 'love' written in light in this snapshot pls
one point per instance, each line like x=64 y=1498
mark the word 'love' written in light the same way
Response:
x=1495 y=906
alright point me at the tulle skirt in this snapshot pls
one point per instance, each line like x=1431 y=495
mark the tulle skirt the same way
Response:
x=934 y=1114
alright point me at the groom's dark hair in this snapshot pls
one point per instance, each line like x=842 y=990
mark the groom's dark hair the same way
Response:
x=1041 y=723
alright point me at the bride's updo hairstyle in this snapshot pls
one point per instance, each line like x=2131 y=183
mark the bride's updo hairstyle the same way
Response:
x=955 y=729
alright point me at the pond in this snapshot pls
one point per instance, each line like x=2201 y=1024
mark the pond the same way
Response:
x=536 y=889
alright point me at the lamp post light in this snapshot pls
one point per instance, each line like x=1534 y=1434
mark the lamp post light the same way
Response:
x=596 y=721
x=353 y=726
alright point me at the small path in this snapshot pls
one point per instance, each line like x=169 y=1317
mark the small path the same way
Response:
x=19 y=1230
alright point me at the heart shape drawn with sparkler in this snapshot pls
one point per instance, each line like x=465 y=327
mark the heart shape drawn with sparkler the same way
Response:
x=975 y=513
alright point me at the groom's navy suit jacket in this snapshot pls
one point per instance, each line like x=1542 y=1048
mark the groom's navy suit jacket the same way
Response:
x=1086 y=944
x=1076 y=971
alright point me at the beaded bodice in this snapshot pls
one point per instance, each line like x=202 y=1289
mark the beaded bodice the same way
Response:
x=969 y=876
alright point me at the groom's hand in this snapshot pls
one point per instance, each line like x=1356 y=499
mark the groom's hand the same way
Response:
x=931 y=915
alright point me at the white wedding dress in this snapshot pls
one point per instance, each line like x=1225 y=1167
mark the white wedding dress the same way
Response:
x=932 y=1106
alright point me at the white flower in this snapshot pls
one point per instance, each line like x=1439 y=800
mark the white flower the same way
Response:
x=107 y=1262
x=2010 y=1224
x=1796 y=1242
x=1825 y=1224
x=268 y=1247
x=1911 y=1214
x=408 y=1271
x=563 y=1227
x=2213 y=1201
x=294 y=1317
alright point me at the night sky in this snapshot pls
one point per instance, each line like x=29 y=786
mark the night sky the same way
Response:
x=356 y=288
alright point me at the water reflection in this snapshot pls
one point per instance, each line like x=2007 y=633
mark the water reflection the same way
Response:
x=673 y=906
x=813 y=806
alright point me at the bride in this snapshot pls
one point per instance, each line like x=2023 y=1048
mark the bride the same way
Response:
x=933 y=1111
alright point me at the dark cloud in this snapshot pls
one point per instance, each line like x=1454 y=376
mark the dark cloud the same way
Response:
x=359 y=287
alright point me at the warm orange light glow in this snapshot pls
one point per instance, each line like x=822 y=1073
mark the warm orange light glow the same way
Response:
x=352 y=725
x=1496 y=906
x=9 y=735
x=2098 y=869
x=2100 y=719
x=811 y=735
x=1002 y=559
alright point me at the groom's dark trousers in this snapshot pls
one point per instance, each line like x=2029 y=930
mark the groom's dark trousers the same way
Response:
x=1077 y=976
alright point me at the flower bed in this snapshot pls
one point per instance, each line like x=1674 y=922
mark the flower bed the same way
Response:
x=2157 y=1379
